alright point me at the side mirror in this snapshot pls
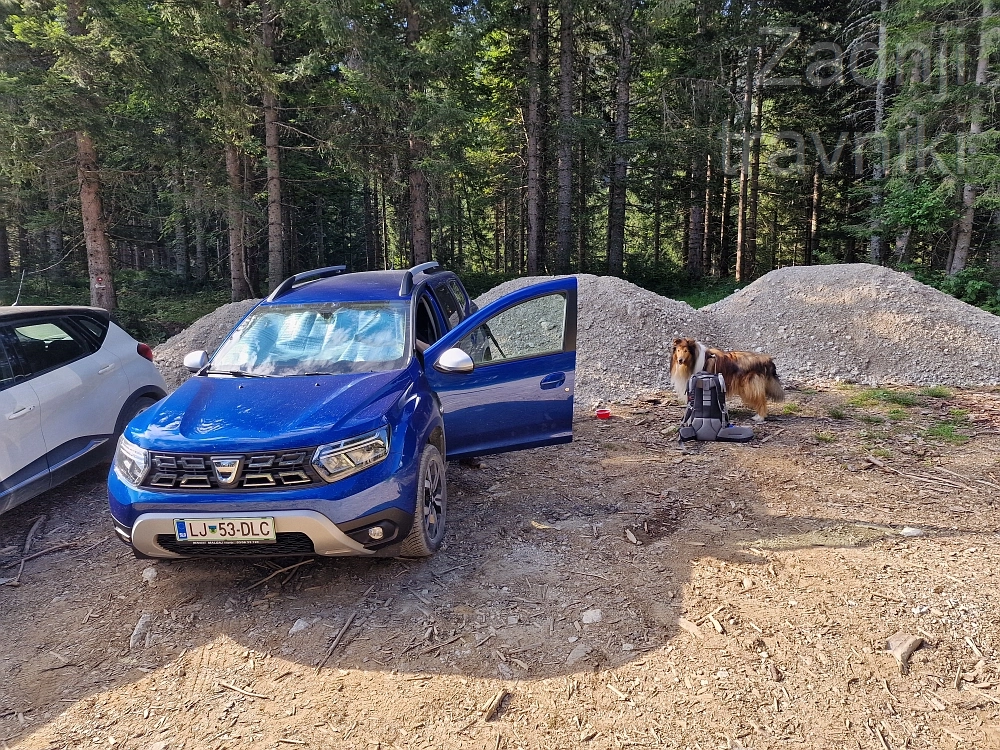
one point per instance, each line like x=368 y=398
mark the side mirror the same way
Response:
x=454 y=361
x=195 y=361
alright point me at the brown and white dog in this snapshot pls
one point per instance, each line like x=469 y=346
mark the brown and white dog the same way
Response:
x=751 y=376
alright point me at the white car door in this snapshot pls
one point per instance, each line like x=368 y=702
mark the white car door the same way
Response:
x=80 y=392
x=22 y=449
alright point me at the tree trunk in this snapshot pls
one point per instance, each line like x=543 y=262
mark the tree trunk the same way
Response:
x=724 y=211
x=537 y=38
x=657 y=210
x=180 y=230
x=696 y=220
x=5 y=269
x=812 y=246
x=196 y=208
x=54 y=234
x=564 y=219
x=706 y=235
x=619 y=163
x=420 y=206
x=95 y=233
x=903 y=244
x=742 y=267
x=275 y=226
x=875 y=251
x=240 y=287
x=969 y=191
x=753 y=202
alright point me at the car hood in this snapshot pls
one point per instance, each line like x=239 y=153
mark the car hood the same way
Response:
x=209 y=414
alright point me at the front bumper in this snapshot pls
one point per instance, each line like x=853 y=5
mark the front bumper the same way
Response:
x=150 y=530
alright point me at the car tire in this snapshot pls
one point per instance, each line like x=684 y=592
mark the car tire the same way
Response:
x=130 y=412
x=430 y=507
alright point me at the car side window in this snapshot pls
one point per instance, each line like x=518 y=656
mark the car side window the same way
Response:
x=6 y=367
x=425 y=325
x=49 y=344
x=460 y=294
x=529 y=329
x=452 y=310
x=95 y=328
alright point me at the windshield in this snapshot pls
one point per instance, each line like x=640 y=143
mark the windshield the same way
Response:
x=332 y=338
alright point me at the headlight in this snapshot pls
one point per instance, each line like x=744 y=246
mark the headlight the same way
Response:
x=131 y=462
x=338 y=460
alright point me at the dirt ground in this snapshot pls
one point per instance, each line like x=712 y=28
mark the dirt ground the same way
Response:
x=621 y=591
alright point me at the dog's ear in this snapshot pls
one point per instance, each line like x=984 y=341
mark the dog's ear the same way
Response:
x=678 y=342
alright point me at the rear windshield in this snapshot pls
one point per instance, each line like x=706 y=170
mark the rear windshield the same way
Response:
x=327 y=339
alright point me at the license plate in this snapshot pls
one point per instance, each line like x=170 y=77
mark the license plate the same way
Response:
x=224 y=530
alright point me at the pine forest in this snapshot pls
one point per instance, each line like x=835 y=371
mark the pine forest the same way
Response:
x=169 y=147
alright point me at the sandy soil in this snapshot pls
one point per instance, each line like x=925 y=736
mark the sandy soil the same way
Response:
x=621 y=591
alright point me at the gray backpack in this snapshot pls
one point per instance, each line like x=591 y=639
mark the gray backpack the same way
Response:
x=706 y=417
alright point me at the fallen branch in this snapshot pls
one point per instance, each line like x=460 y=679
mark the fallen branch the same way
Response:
x=16 y=580
x=32 y=531
x=244 y=692
x=592 y=575
x=336 y=641
x=275 y=573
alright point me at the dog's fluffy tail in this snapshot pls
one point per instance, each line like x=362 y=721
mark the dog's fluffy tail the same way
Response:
x=773 y=388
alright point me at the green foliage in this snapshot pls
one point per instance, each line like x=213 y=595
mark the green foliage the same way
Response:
x=975 y=285
x=872 y=396
x=936 y=391
x=836 y=412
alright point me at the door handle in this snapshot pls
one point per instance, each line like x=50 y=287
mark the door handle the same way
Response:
x=20 y=412
x=554 y=380
x=106 y=368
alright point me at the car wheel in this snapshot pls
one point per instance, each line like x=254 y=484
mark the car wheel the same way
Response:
x=130 y=412
x=431 y=507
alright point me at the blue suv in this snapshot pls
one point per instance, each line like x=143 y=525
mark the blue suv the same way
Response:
x=323 y=422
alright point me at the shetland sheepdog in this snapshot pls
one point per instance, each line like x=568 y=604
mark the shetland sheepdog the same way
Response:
x=749 y=375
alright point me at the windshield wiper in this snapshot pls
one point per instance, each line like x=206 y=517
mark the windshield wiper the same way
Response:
x=236 y=373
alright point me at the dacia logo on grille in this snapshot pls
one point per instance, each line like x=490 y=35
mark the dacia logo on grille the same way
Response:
x=227 y=469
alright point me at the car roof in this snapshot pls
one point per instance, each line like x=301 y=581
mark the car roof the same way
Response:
x=362 y=286
x=9 y=313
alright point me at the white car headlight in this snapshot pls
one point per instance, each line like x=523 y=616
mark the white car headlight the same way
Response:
x=338 y=460
x=131 y=462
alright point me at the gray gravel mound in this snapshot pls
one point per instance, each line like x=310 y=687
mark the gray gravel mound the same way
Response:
x=624 y=335
x=861 y=323
x=856 y=322
x=205 y=333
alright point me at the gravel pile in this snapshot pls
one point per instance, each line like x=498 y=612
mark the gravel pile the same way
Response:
x=863 y=324
x=624 y=335
x=858 y=323
x=205 y=333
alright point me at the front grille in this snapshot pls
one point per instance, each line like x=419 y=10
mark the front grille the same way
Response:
x=257 y=471
x=289 y=544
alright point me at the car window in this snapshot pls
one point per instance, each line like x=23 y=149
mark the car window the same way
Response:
x=96 y=328
x=49 y=344
x=532 y=328
x=425 y=325
x=453 y=312
x=334 y=338
x=6 y=368
x=459 y=292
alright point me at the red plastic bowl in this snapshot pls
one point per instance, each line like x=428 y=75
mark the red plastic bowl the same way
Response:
x=603 y=413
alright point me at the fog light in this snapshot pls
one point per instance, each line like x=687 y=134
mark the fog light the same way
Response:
x=376 y=532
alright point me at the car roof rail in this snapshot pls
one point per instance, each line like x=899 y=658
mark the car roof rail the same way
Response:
x=304 y=278
x=407 y=285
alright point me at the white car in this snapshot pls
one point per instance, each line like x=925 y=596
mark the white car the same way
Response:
x=70 y=380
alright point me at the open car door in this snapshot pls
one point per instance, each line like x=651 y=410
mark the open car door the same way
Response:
x=504 y=375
